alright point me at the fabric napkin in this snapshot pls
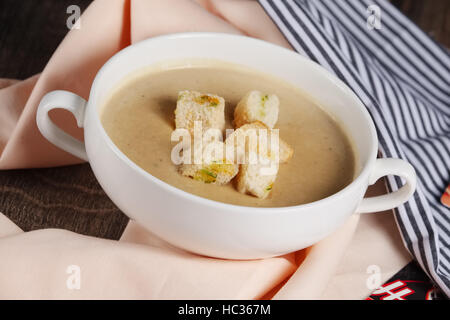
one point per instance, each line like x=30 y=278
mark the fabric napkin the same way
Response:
x=58 y=264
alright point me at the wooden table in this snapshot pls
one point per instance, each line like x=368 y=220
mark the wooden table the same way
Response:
x=70 y=197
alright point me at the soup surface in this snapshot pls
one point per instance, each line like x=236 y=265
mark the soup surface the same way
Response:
x=139 y=118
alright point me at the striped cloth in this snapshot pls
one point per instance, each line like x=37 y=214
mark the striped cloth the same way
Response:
x=402 y=77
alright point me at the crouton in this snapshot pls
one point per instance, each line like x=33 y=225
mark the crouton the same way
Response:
x=214 y=166
x=285 y=150
x=259 y=167
x=257 y=179
x=256 y=106
x=195 y=106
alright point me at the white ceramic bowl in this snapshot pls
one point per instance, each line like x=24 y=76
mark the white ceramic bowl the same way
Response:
x=213 y=228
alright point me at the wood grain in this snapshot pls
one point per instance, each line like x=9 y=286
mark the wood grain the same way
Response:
x=432 y=16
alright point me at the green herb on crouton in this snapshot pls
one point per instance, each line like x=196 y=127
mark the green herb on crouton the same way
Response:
x=209 y=173
x=264 y=99
x=262 y=109
x=205 y=176
x=212 y=101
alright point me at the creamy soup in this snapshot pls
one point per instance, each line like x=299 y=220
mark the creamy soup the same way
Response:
x=139 y=118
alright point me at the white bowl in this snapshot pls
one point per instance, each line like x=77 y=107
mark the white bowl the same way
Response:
x=209 y=227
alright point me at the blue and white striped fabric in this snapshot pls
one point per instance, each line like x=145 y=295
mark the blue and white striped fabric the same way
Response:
x=403 y=78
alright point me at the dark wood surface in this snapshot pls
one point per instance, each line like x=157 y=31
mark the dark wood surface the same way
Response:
x=433 y=16
x=70 y=197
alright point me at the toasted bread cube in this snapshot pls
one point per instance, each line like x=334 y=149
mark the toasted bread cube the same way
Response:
x=257 y=179
x=256 y=106
x=260 y=166
x=215 y=168
x=195 y=106
x=242 y=142
x=285 y=150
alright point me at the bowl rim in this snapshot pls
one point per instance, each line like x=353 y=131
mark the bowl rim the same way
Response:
x=366 y=167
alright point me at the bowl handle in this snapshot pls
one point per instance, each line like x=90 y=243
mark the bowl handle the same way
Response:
x=389 y=201
x=60 y=99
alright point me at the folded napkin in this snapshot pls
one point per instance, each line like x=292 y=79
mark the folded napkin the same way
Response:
x=58 y=264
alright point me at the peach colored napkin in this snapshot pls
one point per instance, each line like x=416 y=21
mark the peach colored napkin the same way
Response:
x=58 y=264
